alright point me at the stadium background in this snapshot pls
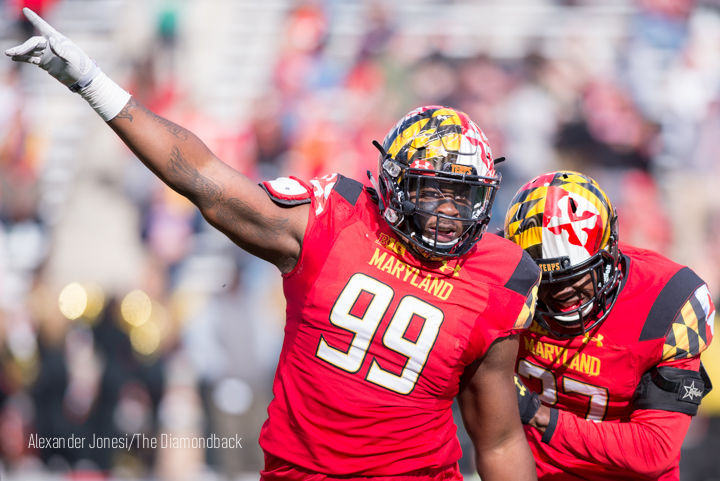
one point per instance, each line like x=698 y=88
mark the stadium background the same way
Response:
x=122 y=311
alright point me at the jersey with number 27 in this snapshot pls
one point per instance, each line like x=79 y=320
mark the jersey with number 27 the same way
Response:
x=376 y=340
x=663 y=317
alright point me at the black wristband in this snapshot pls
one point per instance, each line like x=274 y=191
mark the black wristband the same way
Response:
x=528 y=401
x=552 y=424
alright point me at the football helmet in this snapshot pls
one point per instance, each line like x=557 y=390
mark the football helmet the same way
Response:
x=569 y=227
x=437 y=181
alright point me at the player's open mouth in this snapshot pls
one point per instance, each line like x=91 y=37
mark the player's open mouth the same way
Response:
x=565 y=307
x=443 y=233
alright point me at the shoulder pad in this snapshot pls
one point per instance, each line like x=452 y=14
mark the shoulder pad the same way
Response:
x=669 y=302
x=288 y=191
x=525 y=277
x=349 y=189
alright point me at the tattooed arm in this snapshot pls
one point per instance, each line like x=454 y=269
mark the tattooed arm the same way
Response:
x=227 y=199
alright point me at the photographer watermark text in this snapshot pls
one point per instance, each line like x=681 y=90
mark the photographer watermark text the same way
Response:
x=134 y=441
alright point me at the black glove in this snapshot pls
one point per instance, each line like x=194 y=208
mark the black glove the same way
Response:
x=528 y=401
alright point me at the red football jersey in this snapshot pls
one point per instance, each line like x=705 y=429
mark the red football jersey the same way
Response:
x=659 y=319
x=376 y=340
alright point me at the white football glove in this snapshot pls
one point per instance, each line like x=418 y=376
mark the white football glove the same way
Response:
x=54 y=52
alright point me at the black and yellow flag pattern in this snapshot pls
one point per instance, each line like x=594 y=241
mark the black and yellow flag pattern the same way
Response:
x=687 y=336
x=528 y=311
x=532 y=204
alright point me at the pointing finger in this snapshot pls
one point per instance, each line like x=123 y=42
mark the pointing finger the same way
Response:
x=40 y=24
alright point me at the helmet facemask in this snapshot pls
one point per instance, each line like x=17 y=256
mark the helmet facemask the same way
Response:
x=449 y=213
x=441 y=211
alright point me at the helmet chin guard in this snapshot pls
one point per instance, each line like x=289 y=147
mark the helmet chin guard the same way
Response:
x=606 y=281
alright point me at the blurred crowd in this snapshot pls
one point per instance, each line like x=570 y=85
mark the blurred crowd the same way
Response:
x=184 y=339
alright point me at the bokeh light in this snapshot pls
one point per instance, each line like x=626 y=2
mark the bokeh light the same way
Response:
x=73 y=300
x=95 y=301
x=136 y=308
x=145 y=338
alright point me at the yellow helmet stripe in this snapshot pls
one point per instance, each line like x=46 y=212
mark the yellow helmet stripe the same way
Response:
x=406 y=135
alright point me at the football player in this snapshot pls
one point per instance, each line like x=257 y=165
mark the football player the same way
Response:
x=396 y=301
x=616 y=340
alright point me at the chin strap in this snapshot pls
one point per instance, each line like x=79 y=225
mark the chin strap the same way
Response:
x=374 y=183
x=380 y=148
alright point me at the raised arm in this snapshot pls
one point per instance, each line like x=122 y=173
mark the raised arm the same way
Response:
x=227 y=199
x=490 y=415
x=230 y=201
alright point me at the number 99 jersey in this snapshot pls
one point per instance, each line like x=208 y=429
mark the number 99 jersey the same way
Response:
x=376 y=340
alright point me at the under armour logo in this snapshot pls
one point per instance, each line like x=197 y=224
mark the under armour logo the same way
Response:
x=692 y=392
x=456 y=269
x=421 y=164
x=597 y=340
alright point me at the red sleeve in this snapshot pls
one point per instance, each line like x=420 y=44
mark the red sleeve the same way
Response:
x=647 y=444
x=691 y=364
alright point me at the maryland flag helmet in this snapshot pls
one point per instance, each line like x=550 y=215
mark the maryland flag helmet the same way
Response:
x=567 y=224
x=441 y=148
